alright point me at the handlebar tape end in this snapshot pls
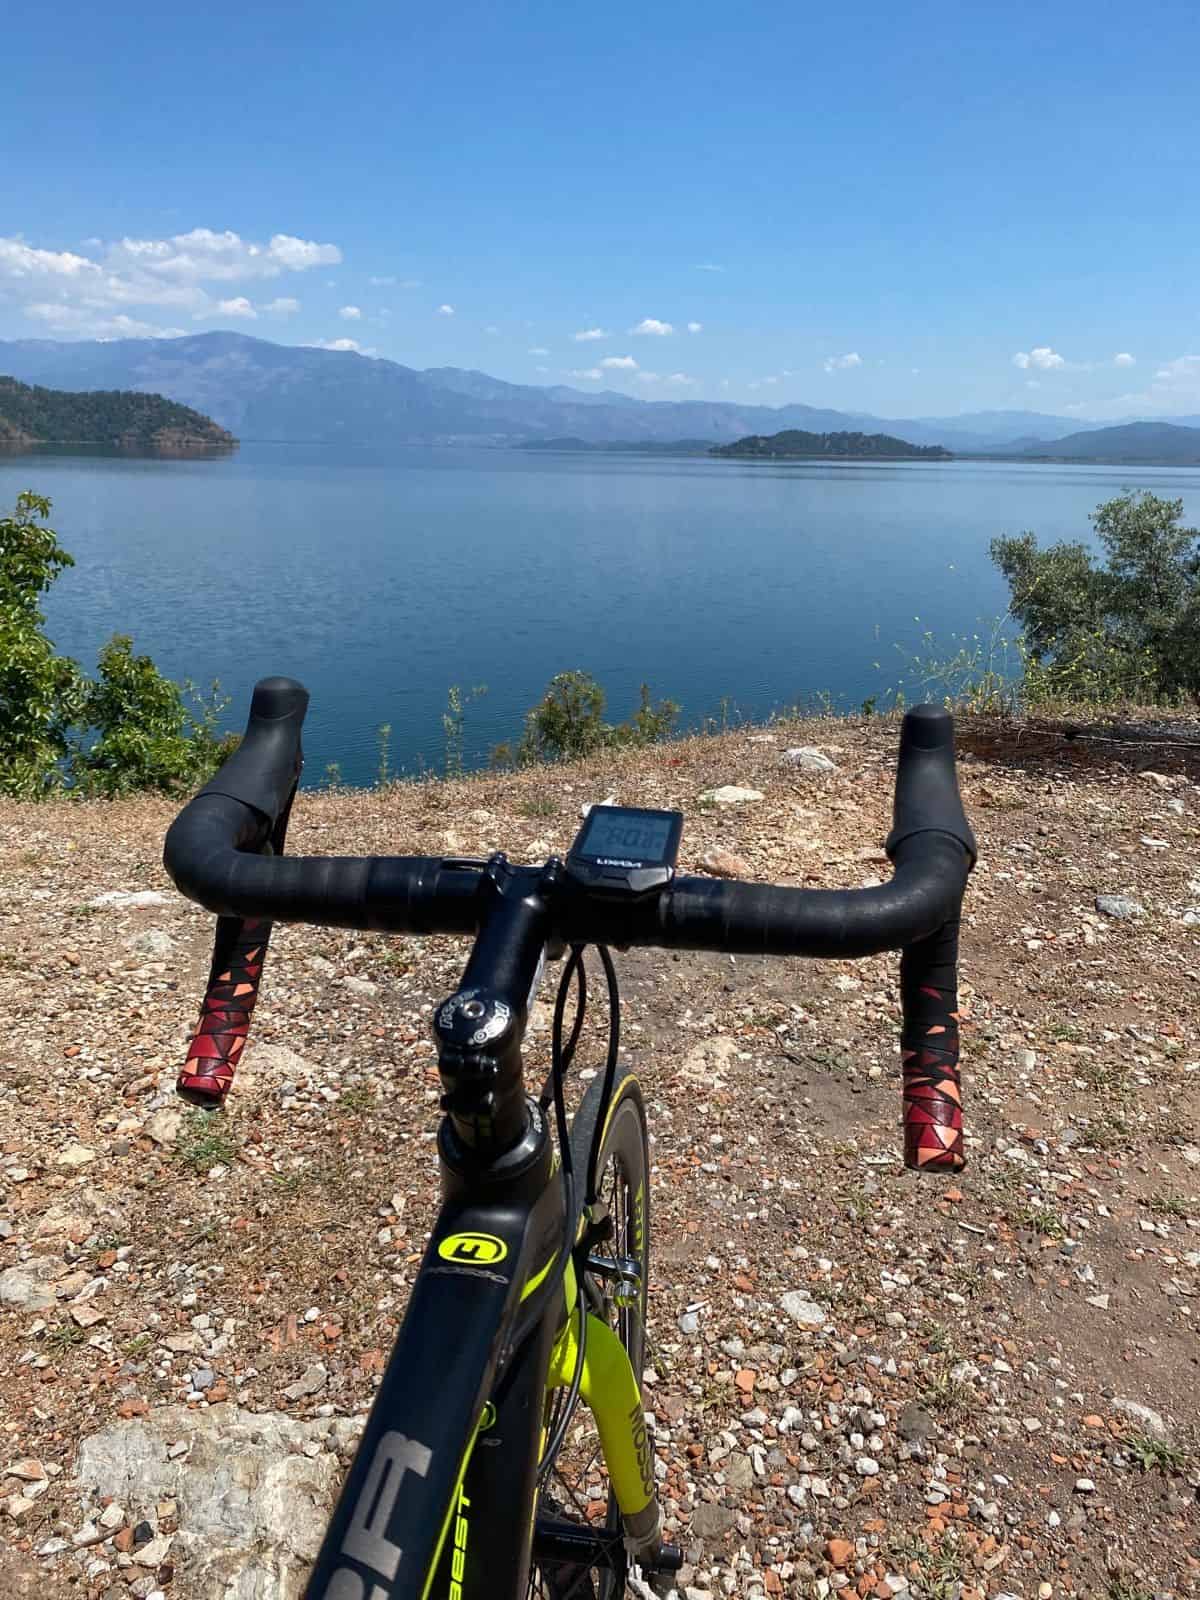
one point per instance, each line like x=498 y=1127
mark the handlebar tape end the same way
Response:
x=933 y=1121
x=221 y=1034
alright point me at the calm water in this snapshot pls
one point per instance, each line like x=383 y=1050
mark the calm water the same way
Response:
x=379 y=581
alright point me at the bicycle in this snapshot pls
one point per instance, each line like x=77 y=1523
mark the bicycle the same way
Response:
x=532 y=1293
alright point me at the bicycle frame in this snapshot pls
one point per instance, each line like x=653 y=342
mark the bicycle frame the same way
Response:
x=439 y=1501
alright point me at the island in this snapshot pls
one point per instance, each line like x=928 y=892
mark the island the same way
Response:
x=121 y=419
x=796 y=445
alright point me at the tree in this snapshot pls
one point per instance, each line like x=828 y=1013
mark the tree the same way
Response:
x=568 y=722
x=1129 y=629
x=129 y=728
x=41 y=693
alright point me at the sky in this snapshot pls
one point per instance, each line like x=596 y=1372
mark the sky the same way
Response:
x=917 y=209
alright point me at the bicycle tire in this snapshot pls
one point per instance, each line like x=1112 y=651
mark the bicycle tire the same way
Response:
x=622 y=1176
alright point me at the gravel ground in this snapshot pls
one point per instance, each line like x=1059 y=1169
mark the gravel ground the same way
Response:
x=863 y=1382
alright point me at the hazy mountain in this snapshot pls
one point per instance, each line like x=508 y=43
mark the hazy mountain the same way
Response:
x=267 y=391
x=1132 y=441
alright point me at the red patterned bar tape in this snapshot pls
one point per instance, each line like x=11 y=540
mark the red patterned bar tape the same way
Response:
x=933 y=1121
x=238 y=954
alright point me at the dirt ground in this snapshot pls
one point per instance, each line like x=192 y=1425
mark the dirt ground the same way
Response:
x=1002 y=1396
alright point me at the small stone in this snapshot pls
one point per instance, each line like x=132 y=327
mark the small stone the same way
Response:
x=807 y=758
x=1100 y=1301
x=88 y=1534
x=803 y=1309
x=29 y=1471
x=1120 y=907
x=163 y=1127
x=1031 y=1424
x=75 y=1155
x=362 y=986
x=1150 y=1420
x=915 y=1423
x=1084 y=1486
x=125 y=899
x=731 y=794
x=311 y=1381
x=20 y=1290
x=204 y=1378
x=112 y=1516
x=689 y=1323
x=866 y=1466
x=724 y=864
x=53 y=1547
x=17 y=1506
x=154 y=1553
x=840 y=1552
x=152 y=944
x=87 y=1315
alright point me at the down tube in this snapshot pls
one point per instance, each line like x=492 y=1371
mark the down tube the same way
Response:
x=485 y=1555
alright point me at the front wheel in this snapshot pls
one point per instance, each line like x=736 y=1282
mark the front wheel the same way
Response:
x=614 y=1288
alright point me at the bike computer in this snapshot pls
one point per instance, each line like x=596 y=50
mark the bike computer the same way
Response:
x=624 y=850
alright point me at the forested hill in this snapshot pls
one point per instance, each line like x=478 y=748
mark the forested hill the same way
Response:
x=29 y=415
x=794 y=443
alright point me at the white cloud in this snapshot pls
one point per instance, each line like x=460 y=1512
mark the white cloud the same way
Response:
x=695 y=327
x=1032 y=383
x=653 y=326
x=620 y=363
x=1042 y=357
x=708 y=266
x=168 y=272
x=445 y=311
x=491 y=328
x=538 y=350
x=585 y=372
x=1124 y=360
x=842 y=363
x=586 y=335
x=90 y=324
x=1184 y=369
x=340 y=344
x=206 y=256
x=19 y=260
x=680 y=380
x=350 y=314
x=388 y=281
x=282 y=306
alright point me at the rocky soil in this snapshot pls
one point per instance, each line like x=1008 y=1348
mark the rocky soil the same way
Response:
x=862 y=1382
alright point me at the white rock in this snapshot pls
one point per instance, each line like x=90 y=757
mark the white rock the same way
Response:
x=807 y=758
x=163 y=1126
x=866 y=1466
x=729 y=794
x=75 y=1155
x=22 y=1289
x=127 y=899
x=252 y=1507
x=152 y=943
x=154 y=1553
x=112 y=1516
x=803 y=1309
x=1150 y=1420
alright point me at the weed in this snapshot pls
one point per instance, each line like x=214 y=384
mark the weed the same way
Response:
x=383 y=772
x=937 y=1338
x=1110 y=1132
x=1167 y=1205
x=1042 y=1220
x=63 y=1336
x=139 y=1344
x=948 y=1397
x=1155 y=1455
x=453 y=720
x=290 y=1182
x=202 y=1142
x=538 y=805
x=356 y=1097
x=1127 y=1589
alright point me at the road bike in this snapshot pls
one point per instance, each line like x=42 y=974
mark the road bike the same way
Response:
x=507 y=1452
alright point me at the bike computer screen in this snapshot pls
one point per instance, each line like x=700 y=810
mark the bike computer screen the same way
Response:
x=626 y=850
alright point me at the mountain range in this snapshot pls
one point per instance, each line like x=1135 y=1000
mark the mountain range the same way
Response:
x=264 y=391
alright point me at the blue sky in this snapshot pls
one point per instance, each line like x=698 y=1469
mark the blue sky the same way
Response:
x=908 y=209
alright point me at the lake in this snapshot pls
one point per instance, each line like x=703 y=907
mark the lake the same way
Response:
x=381 y=579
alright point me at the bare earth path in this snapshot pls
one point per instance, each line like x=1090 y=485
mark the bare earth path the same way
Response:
x=862 y=1383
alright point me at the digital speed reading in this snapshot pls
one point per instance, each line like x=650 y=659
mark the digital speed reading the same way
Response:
x=625 y=850
x=641 y=836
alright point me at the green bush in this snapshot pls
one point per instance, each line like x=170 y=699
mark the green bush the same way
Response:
x=568 y=722
x=128 y=728
x=1128 y=630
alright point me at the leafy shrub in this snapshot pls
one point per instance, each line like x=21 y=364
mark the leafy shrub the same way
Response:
x=568 y=722
x=129 y=728
x=1128 y=630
